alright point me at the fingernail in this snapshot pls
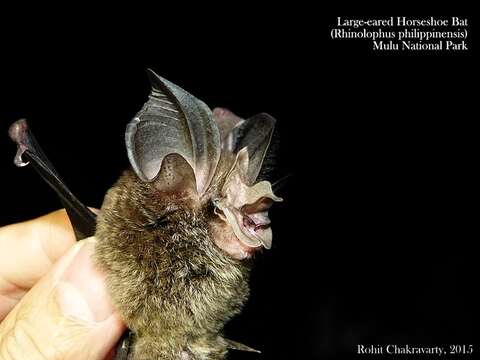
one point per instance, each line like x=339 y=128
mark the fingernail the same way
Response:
x=82 y=289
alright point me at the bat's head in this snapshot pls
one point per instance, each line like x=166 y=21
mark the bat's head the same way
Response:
x=207 y=161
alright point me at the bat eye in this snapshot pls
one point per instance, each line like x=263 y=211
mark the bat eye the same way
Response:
x=158 y=223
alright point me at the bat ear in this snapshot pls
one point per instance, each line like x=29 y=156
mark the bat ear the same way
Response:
x=176 y=177
x=227 y=121
x=254 y=133
x=173 y=121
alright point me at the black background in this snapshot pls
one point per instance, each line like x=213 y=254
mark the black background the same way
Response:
x=373 y=244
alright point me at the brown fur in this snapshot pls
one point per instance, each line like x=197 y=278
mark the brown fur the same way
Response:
x=173 y=286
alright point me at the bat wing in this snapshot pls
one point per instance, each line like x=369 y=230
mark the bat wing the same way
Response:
x=82 y=218
x=28 y=151
x=254 y=133
x=173 y=121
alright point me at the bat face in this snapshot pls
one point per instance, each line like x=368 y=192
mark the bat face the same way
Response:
x=209 y=158
x=243 y=225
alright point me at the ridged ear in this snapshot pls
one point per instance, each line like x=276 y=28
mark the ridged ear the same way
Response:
x=254 y=133
x=173 y=121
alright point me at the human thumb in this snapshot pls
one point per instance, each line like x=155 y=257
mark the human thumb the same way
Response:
x=66 y=315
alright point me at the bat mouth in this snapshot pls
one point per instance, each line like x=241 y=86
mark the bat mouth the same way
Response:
x=251 y=229
x=258 y=228
x=253 y=225
x=247 y=214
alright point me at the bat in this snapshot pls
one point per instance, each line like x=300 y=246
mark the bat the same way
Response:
x=177 y=232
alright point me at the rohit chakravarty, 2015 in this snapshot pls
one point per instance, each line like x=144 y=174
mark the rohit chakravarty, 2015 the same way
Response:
x=393 y=349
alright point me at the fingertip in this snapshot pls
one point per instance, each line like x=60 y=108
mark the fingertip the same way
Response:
x=54 y=232
x=28 y=249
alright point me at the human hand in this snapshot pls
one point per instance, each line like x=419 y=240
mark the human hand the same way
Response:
x=53 y=301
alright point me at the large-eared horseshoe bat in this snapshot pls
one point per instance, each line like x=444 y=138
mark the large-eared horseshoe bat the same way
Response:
x=176 y=233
